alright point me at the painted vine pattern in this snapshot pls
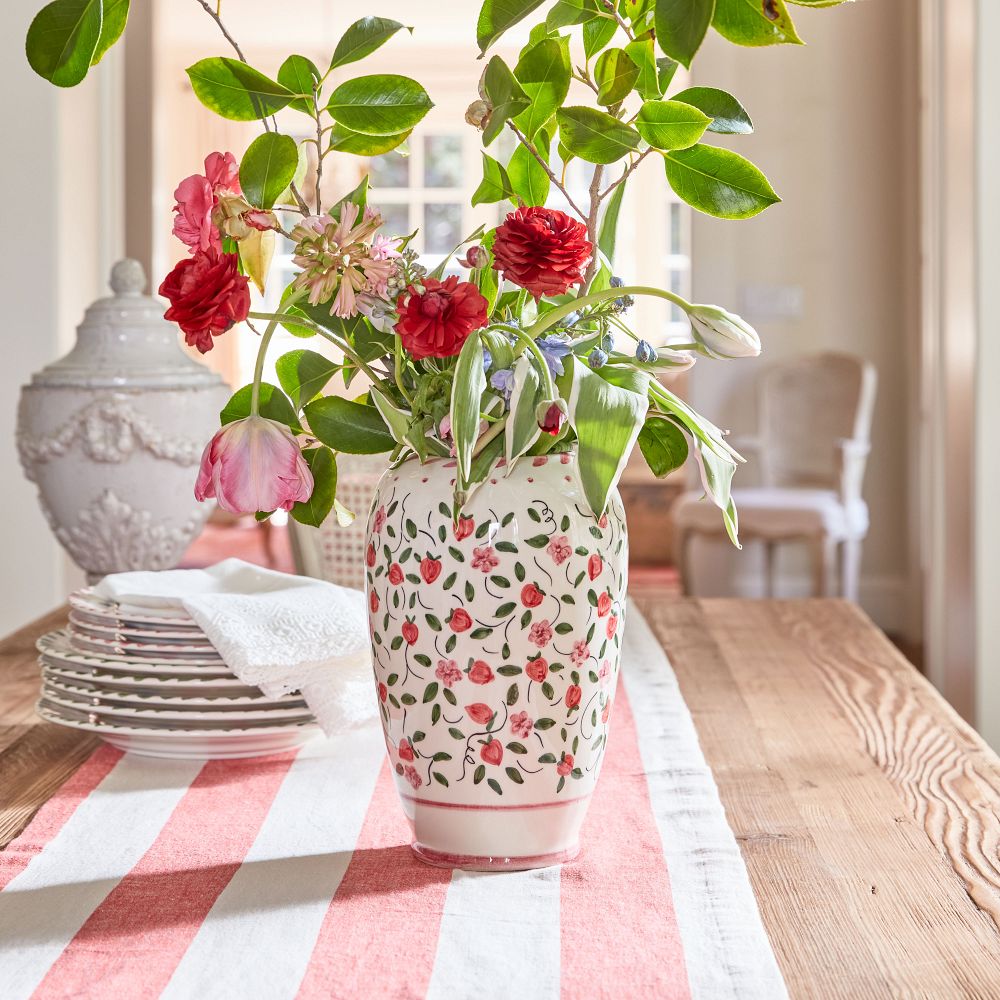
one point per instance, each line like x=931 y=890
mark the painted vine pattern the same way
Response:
x=495 y=583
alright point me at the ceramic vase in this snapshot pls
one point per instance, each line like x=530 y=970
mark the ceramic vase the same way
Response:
x=496 y=641
x=113 y=432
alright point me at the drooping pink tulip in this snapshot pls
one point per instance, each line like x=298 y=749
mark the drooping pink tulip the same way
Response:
x=254 y=464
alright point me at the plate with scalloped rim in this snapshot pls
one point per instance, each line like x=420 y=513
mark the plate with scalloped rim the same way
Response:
x=85 y=600
x=141 y=651
x=108 y=630
x=209 y=686
x=56 y=646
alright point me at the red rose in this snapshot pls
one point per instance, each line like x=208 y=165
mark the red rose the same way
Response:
x=370 y=555
x=395 y=575
x=480 y=673
x=430 y=569
x=460 y=620
x=492 y=753
x=531 y=596
x=464 y=528
x=383 y=691
x=437 y=322
x=373 y=601
x=479 y=713
x=612 y=625
x=537 y=670
x=603 y=604
x=208 y=295
x=565 y=765
x=405 y=749
x=573 y=695
x=542 y=250
x=594 y=566
x=409 y=631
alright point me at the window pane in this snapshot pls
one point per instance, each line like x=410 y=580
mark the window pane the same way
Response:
x=397 y=219
x=676 y=235
x=442 y=161
x=676 y=286
x=442 y=227
x=390 y=170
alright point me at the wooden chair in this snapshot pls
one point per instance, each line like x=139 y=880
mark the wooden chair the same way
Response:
x=812 y=445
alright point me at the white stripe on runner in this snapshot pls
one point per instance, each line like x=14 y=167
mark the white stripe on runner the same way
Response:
x=267 y=919
x=726 y=948
x=42 y=909
x=499 y=936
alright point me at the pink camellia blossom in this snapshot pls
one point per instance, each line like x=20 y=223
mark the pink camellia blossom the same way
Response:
x=521 y=724
x=580 y=654
x=485 y=558
x=254 y=464
x=448 y=673
x=198 y=194
x=541 y=633
x=222 y=171
x=560 y=549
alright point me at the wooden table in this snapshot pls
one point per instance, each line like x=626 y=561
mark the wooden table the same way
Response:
x=868 y=813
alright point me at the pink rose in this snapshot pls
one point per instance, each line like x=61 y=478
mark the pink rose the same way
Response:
x=370 y=555
x=410 y=633
x=251 y=465
x=537 y=669
x=430 y=569
x=460 y=620
x=604 y=674
x=412 y=777
x=541 y=633
x=373 y=601
x=565 y=765
x=492 y=753
x=380 y=519
x=560 y=549
x=573 y=695
x=480 y=673
x=612 y=625
x=603 y=604
x=447 y=672
x=405 y=750
x=580 y=654
x=222 y=171
x=485 y=559
x=464 y=528
x=594 y=566
x=531 y=596
x=395 y=574
x=521 y=724
x=479 y=713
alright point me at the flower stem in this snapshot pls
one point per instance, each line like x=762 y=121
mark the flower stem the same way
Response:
x=553 y=316
x=542 y=364
x=397 y=368
x=265 y=341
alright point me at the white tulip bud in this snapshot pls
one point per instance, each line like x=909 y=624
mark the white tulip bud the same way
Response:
x=721 y=334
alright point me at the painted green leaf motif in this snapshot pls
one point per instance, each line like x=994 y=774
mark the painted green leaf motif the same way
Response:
x=323 y=466
x=383 y=104
x=303 y=374
x=496 y=183
x=663 y=446
x=466 y=394
x=728 y=115
x=274 y=405
x=496 y=16
x=112 y=26
x=718 y=182
x=594 y=135
x=62 y=40
x=267 y=168
x=236 y=91
x=543 y=71
x=671 y=124
x=681 y=26
x=615 y=74
x=515 y=775
x=299 y=75
x=345 y=140
x=505 y=95
x=362 y=38
x=344 y=425
x=755 y=22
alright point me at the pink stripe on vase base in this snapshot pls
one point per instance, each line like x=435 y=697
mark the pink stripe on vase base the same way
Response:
x=489 y=863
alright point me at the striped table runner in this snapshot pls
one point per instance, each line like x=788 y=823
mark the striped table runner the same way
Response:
x=290 y=876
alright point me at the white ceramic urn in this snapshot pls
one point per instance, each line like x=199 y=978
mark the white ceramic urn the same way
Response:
x=113 y=432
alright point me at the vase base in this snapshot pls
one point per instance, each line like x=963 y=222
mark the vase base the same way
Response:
x=487 y=863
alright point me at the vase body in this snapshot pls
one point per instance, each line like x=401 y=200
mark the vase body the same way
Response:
x=496 y=646
x=112 y=435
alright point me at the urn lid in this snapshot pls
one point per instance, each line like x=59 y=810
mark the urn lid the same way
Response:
x=124 y=342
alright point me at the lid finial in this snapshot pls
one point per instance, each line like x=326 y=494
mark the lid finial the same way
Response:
x=128 y=277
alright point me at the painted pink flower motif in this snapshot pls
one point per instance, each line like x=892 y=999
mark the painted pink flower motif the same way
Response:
x=560 y=549
x=537 y=669
x=612 y=625
x=465 y=525
x=574 y=694
x=603 y=604
x=485 y=558
x=447 y=672
x=395 y=574
x=410 y=773
x=380 y=519
x=595 y=564
x=603 y=522
x=580 y=654
x=480 y=672
x=565 y=765
x=521 y=724
x=405 y=750
x=541 y=633
x=604 y=674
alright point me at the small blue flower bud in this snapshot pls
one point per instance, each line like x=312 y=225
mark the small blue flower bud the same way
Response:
x=572 y=319
x=617 y=282
x=607 y=343
x=645 y=352
x=597 y=358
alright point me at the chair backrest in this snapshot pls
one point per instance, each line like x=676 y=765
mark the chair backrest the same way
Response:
x=807 y=406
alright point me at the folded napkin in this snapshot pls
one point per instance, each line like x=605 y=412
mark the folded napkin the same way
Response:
x=274 y=631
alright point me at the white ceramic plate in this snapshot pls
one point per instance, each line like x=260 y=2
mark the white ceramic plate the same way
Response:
x=95 y=620
x=56 y=646
x=85 y=600
x=107 y=629
x=137 y=650
x=206 y=687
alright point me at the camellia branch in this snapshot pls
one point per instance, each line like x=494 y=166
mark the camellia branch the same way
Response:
x=319 y=155
x=526 y=142
x=626 y=173
x=611 y=8
x=595 y=208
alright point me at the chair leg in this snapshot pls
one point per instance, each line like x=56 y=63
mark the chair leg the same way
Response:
x=683 y=543
x=824 y=549
x=770 y=548
x=850 y=568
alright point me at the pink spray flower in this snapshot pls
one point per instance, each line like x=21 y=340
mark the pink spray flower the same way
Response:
x=254 y=464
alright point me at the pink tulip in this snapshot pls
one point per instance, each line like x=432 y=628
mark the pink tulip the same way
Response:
x=251 y=465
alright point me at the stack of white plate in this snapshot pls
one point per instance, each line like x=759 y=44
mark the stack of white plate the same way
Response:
x=151 y=682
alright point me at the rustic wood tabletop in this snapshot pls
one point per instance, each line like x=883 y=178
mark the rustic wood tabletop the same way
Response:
x=867 y=811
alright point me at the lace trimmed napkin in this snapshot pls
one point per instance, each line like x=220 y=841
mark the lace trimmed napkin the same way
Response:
x=275 y=631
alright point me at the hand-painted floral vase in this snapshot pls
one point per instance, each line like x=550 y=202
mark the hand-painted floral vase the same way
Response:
x=496 y=642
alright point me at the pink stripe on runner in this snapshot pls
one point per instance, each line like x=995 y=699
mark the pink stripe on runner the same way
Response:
x=618 y=927
x=131 y=944
x=380 y=934
x=52 y=816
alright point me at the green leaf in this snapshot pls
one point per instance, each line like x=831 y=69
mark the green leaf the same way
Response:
x=597 y=32
x=345 y=140
x=663 y=446
x=615 y=75
x=607 y=419
x=515 y=775
x=681 y=26
x=303 y=374
x=496 y=184
x=819 y=3
x=430 y=692
x=527 y=176
x=236 y=91
x=268 y=167
x=299 y=75
x=383 y=104
x=112 y=26
x=608 y=233
x=504 y=94
x=594 y=135
x=324 y=469
x=274 y=405
x=62 y=40
x=569 y=12
x=727 y=114
x=522 y=428
x=671 y=124
x=467 y=391
x=396 y=419
x=347 y=426
x=362 y=38
x=496 y=16
x=643 y=53
x=755 y=22
x=718 y=182
x=543 y=71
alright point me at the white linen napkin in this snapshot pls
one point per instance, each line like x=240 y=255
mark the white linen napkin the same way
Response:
x=275 y=631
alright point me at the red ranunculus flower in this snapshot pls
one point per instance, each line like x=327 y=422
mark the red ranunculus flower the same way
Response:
x=409 y=631
x=395 y=574
x=480 y=673
x=492 y=753
x=603 y=604
x=537 y=669
x=479 y=713
x=542 y=250
x=464 y=528
x=430 y=569
x=373 y=602
x=594 y=566
x=208 y=295
x=573 y=695
x=435 y=324
x=531 y=596
x=460 y=620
